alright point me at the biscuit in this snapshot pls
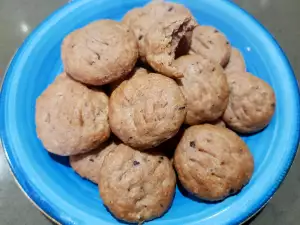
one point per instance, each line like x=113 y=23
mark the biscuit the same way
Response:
x=88 y=165
x=135 y=72
x=140 y=20
x=71 y=118
x=251 y=103
x=212 y=162
x=146 y=110
x=162 y=41
x=210 y=43
x=205 y=87
x=236 y=62
x=219 y=122
x=136 y=186
x=100 y=52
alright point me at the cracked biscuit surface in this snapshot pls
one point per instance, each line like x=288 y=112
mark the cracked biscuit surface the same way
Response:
x=146 y=110
x=212 y=162
x=71 y=118
x=99 y=53
x=162 y=41
x=136 y=186
x=211 y=44
x=205 y=87
x=251 y=103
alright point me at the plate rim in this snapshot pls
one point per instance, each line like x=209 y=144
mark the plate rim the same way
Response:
x=55 y=216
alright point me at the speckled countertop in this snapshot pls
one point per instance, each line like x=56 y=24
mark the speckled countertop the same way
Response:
x=19 y=17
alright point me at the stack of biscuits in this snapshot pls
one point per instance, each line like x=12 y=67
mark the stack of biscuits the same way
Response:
x=148 y=99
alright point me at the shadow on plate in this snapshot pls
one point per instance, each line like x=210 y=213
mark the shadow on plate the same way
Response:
x=187 y=194
x=63 y=160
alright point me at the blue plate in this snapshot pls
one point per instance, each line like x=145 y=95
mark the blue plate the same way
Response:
x=61 y=194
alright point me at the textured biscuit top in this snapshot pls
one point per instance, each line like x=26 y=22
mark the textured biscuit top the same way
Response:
x=71 y=118
x=210 y=43
x=212 y=162
x=146 y=110
x=100 y=52
x=205 y=87
x=136 y=186
x=251 y=103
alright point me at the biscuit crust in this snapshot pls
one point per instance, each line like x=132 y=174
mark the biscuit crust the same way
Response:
x=71 y=118
x=100 y=52
x=212 y=162
x=251 y=103
x=146 y=110
x=136 y=186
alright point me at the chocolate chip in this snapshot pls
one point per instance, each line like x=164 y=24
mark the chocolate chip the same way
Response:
x=161 y=157
x=192 y=144
x=216 y=31
x=98 y=56
x=227 y=43
x=128 y=189
x=213 y=69
x=231 y=191
x=91 y=160
x=135 y=163
x=159 y=161
x=222 y=163
x=181 y=108
x=273 y=105
x=161 y=205
x=170 y=9
x=141 y=37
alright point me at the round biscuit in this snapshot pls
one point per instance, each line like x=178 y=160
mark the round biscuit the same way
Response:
x=71 y=118
x=212 y=162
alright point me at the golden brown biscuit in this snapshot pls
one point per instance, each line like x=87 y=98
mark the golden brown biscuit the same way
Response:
x=251 y=103
x=100 y=52
x=162 y=41
x=146 y=110
x=211 y=44
x=236 y=62
x=136 y=186
x=140 y=20
x=88 y=165
x=212 y=162
x=71 y=118
x=205 y=87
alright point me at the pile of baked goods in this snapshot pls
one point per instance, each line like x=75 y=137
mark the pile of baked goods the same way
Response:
x=148 y=99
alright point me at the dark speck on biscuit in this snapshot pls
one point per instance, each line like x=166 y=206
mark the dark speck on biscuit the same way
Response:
x=135 y=163
x=192 y=144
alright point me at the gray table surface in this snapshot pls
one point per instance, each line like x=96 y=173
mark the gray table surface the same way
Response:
x=19 y=17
